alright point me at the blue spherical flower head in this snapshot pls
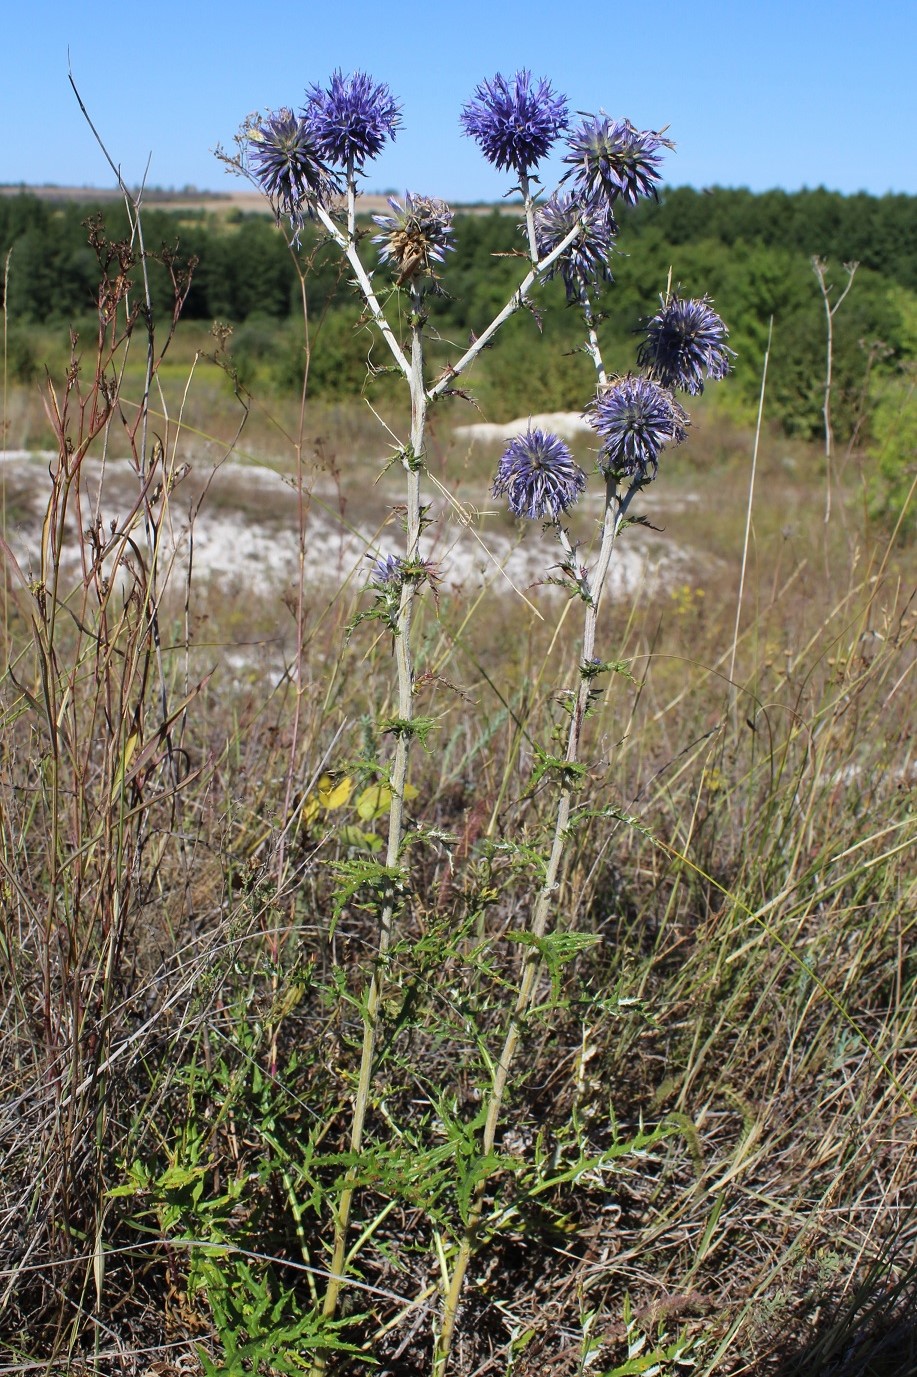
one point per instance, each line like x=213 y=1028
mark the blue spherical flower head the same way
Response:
x=416 y=236
x=539 y=476
x=613 y=159
x=288 y=165
x=586 y=260
x=515 y=122
x=352 y=118
x=635 y=419
x=686 y=344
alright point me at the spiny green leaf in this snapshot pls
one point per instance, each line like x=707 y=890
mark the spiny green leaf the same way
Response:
x=610 y=811
x=590 y=669
x=360 y=873
x=570 y=772
x=406 y=727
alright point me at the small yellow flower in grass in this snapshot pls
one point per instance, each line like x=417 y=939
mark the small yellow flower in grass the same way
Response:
x=713 y=778
x=686 y=599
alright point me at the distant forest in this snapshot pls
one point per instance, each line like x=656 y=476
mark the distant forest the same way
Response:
x=751 y=252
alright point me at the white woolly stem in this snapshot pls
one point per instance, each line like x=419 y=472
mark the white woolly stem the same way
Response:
x=351 y=202
x=593 y=348
x=512 y=306
x=529 y=202
x=349 y=249
x=592 y=589
x=411 y=460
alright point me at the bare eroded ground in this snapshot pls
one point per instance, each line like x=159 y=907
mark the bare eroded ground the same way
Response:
x=239 y=525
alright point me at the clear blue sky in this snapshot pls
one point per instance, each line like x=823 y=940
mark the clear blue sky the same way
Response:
x=776 y=93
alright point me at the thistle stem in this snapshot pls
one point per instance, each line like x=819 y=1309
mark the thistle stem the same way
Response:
x=405 y=669
x=529 y=216
x=351 y=202
x=615 y=510
x=347 y=245
x=516 y=300
x=593 y=586
x=592 y=340
x=421 y=397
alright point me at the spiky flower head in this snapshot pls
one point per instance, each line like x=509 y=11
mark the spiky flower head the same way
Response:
x=387 y=570
x=686 y=344
x=352 y=118
x=539 y=476
x=416 y=236
x=586 y=260
x=613 y=159
x=515 y=121
x=635 y=419
x=390 y=572
x=289 y=166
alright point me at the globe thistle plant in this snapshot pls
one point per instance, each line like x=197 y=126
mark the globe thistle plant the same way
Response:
x=613 y=159
x=301 y=162
x=416 y=236
x=288 y=164
x=635 y=419
x=351 y=118
x=515 y=121
x=586 y=260
x=686 y=345
x=539 y=476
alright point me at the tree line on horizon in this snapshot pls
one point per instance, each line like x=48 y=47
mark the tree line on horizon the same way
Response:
x=751 y=251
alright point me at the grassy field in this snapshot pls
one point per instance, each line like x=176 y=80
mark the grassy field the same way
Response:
x=705 y=1159
x=210 y=202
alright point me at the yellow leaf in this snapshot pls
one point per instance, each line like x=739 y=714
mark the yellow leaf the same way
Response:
x=334 y=793
x=376 y=800
x=364 y=841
